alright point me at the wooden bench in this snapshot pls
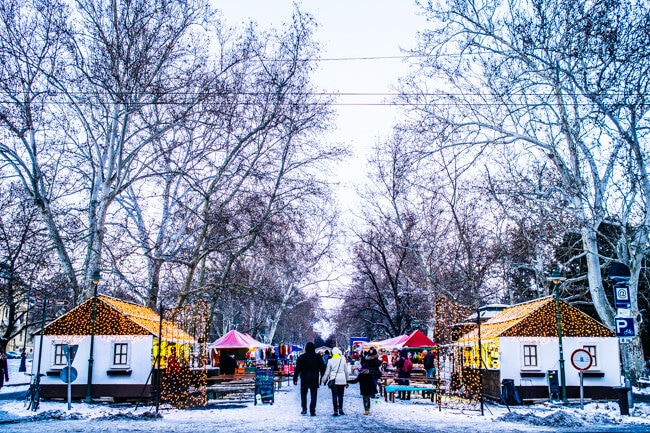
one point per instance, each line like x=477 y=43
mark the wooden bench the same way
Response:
x=217 y=391
x=390 y=390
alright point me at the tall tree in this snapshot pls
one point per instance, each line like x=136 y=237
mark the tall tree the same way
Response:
x=568 y=82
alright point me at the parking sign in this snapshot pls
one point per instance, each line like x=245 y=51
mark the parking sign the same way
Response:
x=624 y=326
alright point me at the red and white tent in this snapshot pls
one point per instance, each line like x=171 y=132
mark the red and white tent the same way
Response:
x=391 y=343
x=418 y=339
x=236 y=340
x=415 y=339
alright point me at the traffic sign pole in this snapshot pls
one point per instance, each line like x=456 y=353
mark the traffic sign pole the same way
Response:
x=581 y=360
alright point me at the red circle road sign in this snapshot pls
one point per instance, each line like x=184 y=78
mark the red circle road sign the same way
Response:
x=581 y=359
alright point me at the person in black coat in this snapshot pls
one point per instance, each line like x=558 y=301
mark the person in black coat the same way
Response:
x=367 y=387
x=228 y=363
x=373 y=364
x=310 y=368
x=4 y=368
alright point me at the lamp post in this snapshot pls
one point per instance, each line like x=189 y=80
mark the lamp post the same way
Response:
x=95 y=278
x=23 y=355
x=556 y=278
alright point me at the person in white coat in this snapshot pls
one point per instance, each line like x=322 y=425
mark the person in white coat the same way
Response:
x=337 y=370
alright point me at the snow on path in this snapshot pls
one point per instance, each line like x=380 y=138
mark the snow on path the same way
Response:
x=284 y=415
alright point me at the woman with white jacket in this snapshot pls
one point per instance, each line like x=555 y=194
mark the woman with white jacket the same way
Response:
x=337 y=370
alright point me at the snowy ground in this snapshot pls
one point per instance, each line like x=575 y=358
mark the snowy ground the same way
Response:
x=284 y=415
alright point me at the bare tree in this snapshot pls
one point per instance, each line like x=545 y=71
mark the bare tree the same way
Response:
x=33 y=41
x=113 y=77
x=566 y=81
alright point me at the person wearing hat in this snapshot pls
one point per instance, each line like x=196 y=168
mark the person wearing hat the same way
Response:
x=337 y=371
x=310 y=368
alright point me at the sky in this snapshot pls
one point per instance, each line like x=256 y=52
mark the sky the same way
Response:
x=362 y=42
x=353 y=33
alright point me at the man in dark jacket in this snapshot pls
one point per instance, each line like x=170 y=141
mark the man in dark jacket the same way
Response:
x=310 y=367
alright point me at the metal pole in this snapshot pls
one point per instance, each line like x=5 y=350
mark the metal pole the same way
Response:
x=582 y=392
x=23 y=356
x=480 y=355
x=69 y=378
x=37 y=380
x=559 y=336
x=158 y=381
x=89 y=386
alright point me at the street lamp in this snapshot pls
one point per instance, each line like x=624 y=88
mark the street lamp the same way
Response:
x=556 y=278
x=23 y=355
x=95 y=278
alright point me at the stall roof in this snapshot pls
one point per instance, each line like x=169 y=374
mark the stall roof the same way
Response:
x=391 y=343
x=237 y=340
x=418 y=339
x=538 y=318
x=115 y=317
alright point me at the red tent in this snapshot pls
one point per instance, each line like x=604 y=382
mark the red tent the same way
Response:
x=236 y=340
x=418 y=339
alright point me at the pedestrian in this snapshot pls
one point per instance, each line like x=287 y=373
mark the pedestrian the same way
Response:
x=404 y=366
x=228 y=363
x=429 y=365
x=4 y=368
x=373 y=364
x=336 y=378
x=367 y=387
x=310 y=368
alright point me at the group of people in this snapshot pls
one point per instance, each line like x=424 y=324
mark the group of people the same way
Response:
x=313 y=371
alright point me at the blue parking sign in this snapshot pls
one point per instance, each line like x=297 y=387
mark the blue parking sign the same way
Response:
x=624 y=326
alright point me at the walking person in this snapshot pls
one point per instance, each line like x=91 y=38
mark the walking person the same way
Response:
x=336 y=378
x=310 y=368
x=373 y=364
x=4 y=368
x=367 y=387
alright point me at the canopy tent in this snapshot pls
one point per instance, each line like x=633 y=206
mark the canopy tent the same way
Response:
x=417 y=339
x=390 y=343
x=236 y=340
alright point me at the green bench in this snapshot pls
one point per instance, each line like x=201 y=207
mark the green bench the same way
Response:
x=390 y=390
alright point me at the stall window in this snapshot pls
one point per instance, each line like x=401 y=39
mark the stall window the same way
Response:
x=120 y=354
x=593 y=351
x=530 y=356
x=59 y=356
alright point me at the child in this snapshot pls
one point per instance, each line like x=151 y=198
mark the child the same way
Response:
x=367 y=387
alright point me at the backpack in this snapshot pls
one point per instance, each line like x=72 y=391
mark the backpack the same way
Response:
x=408 y=365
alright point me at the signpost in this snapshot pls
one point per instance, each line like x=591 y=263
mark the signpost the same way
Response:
x=624 y=326
x=69 y=373
x=581 y=361
x=622 y=294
